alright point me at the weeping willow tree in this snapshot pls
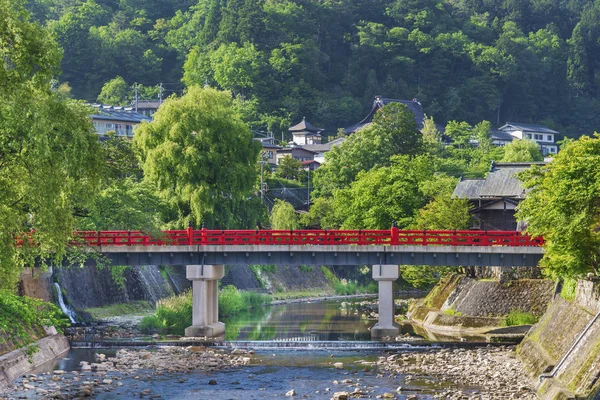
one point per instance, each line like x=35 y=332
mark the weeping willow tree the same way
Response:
x=202 y=160
x=49 y=155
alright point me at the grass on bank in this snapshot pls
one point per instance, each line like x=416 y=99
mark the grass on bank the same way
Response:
x=134 y=308
x=568 y=289
x=518 y=317
x=344 y=287
x=174 y=314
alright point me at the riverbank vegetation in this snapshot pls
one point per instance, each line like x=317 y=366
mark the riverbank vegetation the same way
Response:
x=22 y=320
x=174 y=314
x=518 y=317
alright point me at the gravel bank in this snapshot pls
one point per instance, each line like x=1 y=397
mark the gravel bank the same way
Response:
x=495 y=370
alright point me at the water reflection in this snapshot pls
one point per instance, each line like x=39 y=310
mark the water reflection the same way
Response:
x=327 y=320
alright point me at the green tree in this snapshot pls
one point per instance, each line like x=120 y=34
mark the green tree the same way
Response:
x=563 y=204
x=202 y=159
x=115 y=92
x=399 y=128
x=522 y=150
x=283 y=216
x=444 y=213
x=393 y=131
x=432 y=138
x=385 y=194
x=289 y=168
x=49 y=155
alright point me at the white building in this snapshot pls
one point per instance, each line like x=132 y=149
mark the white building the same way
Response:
x=542 y=135
x=305 y=133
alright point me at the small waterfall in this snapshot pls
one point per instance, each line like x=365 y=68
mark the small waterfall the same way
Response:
x=68 y=312
x=152 y=283
x=320 y=345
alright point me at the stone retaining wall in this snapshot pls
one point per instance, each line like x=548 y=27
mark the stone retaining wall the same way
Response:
x=494 y=299
x=553 y=336
x=17 y=362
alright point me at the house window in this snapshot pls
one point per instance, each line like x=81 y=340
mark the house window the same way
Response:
x=549 y=138
x=269 y=154
x=528 y=136
x=128 y=130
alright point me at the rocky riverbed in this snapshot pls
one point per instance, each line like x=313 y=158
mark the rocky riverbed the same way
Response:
x=495 y=371
x=106 y=373
x=172 y=372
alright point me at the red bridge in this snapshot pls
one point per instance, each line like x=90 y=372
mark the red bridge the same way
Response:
x=391 y=237
x=204 y=253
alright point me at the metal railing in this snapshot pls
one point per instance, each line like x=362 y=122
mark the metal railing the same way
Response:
x=393 y=237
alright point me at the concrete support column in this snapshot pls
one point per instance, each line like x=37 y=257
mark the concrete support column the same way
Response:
x=385 y=275
x=205 y=300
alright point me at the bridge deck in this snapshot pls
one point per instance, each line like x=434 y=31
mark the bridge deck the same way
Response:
x=441 y=255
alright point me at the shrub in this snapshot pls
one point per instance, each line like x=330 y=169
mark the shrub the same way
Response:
x=151 y=324
x=174 y=314
x=568 y=289
x=345 y=288
x=22 y=319
x=254 y=300
x=230 y=301
x=518 y=317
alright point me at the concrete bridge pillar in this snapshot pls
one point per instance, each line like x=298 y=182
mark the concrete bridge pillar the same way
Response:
x=385 y=275
x=205 y=300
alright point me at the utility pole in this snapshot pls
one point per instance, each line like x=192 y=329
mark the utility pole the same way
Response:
x=136 y=97
x=262 y=179
x=308 y=190
x=160 y=93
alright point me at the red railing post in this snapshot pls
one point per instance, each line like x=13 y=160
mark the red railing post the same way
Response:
x=189 y=235
x=203 y=236
x=395 y=240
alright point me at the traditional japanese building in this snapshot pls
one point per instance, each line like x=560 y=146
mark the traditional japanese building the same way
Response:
x=305 y=133
x=494 y=199
x=413 y=105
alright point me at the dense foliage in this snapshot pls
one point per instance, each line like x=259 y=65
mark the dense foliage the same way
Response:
x=49 y=155
x=201 y=159
x=563 y=205
x=22 y=320
x=523 y=60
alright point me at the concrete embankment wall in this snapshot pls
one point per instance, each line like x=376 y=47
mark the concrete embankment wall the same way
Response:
x=486 y=300
x=551 y=340
x=17 y=362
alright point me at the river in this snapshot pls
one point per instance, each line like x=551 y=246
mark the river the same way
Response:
x=323 y=334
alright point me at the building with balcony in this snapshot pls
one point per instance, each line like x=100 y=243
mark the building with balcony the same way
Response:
x=121 y=120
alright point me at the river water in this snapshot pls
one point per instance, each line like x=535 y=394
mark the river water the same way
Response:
x=274 y=369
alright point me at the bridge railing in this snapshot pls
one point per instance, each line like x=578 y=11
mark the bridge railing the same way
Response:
x=392 y=236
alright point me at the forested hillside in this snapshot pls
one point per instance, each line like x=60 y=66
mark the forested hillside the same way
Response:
x=465 y=60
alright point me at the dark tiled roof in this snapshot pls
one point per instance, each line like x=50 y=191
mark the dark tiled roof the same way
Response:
x=305 y=126
x=290 y=150
x=413 y=105
x=501 y=135
x=468 y=189
x=319 y=148
x=110 y=113
x=502 y=182
x=527 y=127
